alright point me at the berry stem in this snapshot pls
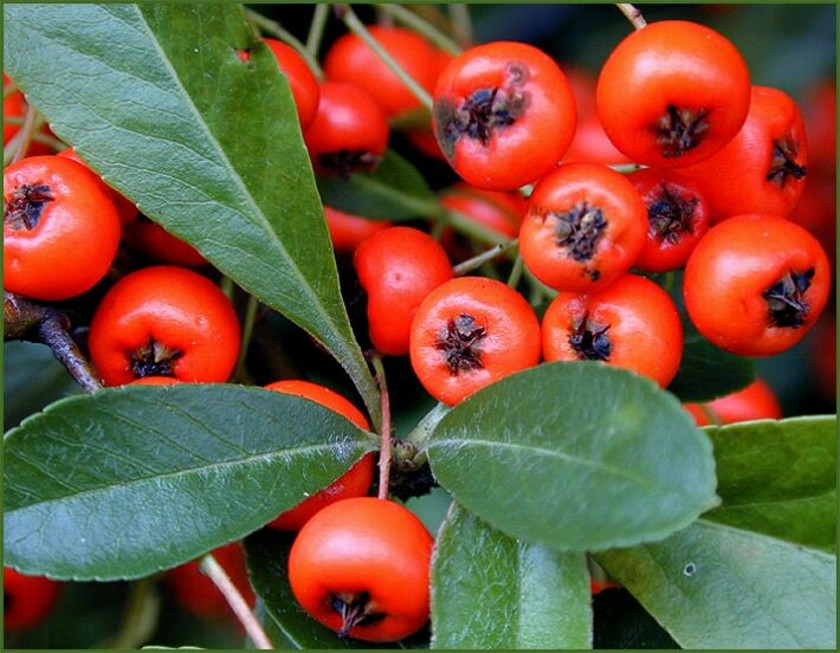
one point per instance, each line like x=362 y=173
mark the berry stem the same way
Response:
x=633 y=14
x=216 y=573
x=470 y=227
x=465 y=267
x=421 y=433
x=421 y=26
x=385 y=431
x=241 y=372
x=140 y=618
x=16 y=148
x=355 y=25
x=320 y=16
x=275 y=29
x=462 y=24
x=516 y=273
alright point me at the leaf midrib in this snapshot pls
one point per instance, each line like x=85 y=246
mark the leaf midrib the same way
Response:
x=268 y=456
x=552 y=453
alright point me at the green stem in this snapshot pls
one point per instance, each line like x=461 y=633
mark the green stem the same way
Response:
x=516 y=272
x=140 y=618
x=276 y=30
x=386 y=435
x=320 y=16
x=241 y=372
x=421 y=433
x=17 y=147
x=466 y=225
x=214 y=571
x=421 y=26
x=477 y=261
x=226 y=286
x=462 y=24
x=355 y=25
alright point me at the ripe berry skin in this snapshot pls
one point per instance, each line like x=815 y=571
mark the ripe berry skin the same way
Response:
x=763 y=168
x=470 y=332
x=61 y=229
x=354 y=483
x=349 y=133
x=397 y=268
x=503 y=114
x=350 y=59
x=153 y=241
x=677 y=218
x=755 y=401
x=348 y=231
x=164 y=321
x=673 y=93
x=370 y=558
x=632 y=324
x=27 y=600
x=755 y=284
x=584 y=226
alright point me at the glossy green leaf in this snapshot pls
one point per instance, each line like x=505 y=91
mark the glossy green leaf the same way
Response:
x=779 y=478
x=394 y=191
x=575 y=456
x=155 y=98
x=706 y=371
x=492 y=592
x=128 y=481
x=714 y=586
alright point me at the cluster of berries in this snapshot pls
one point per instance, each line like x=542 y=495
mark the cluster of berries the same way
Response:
x=673 y=161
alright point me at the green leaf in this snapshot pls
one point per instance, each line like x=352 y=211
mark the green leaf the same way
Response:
x=713 y=586
x=706 y=371
x=492 y=592
x=268 y=555
x=575 y=456
x=129 y=481
x=394 y=191
x=779 y=478
x=156 y=99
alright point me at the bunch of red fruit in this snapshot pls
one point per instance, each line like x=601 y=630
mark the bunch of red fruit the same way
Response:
x=693 y=168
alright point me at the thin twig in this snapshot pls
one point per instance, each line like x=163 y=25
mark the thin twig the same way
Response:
x=216 y=573
x=320 y=15
x=462 y=24
x=355 y=25
x=465 y=267
x=65 y=349
x=241 y=372
x=516 y=273
x=25 y=320
x=421 y=26
x=276 y=30
x=633 y=13
x=385 y=432
x=140 y=619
